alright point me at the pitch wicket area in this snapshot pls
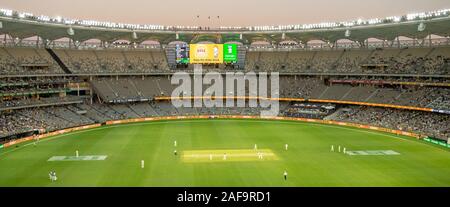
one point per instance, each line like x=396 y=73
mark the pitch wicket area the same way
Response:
x=232 y=155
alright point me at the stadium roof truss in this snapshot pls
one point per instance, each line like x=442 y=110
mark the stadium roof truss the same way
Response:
x=23 y=28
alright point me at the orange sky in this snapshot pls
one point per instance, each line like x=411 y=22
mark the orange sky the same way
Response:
x=231 y=12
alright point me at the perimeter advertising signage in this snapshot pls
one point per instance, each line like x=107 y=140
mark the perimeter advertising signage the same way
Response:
x=206 y=53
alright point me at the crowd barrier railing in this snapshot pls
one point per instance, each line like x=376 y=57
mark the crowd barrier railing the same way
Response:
x=167 y=98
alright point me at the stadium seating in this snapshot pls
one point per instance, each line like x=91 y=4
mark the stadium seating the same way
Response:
x=120 y=97
x=435 y=60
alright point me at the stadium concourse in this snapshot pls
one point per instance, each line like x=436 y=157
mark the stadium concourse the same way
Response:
x=55 y=78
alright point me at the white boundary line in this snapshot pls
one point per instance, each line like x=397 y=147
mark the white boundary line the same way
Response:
x=293 y=122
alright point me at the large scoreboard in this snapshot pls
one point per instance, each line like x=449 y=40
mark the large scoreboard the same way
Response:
x=206 y=53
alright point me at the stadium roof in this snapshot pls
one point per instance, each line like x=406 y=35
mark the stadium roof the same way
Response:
x=420 y=25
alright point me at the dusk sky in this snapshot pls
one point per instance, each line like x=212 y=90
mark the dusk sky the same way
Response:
x=231 y=12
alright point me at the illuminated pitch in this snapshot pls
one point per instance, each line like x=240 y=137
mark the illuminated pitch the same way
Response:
x=231 y=155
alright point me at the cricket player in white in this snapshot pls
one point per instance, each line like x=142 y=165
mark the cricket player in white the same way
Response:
x=332 y=148
x=76 y=153
x=210 y=156
x=286 y=146
x=53 y=176
x=142 y=163
x=344 y=150
x=285 y=174
x=256 y=147
x=339 y=148
x=224 y=156
x=175 y=143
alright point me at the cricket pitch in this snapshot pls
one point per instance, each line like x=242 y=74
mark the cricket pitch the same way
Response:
x=232 y=155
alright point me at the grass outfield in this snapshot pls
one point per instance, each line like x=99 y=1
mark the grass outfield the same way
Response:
x=308 y=160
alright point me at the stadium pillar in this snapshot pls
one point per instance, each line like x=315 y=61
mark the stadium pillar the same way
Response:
x=429 y=38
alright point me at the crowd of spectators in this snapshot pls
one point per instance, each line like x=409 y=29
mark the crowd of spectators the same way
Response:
x=425 y=123
x=392 y=61
x=370 y=61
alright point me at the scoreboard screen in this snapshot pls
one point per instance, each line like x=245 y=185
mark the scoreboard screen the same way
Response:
x=182 y=53
x=230 y=53
x=212 y=53
x=206 y=53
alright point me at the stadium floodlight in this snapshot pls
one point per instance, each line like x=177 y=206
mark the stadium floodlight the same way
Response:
x=393 y=19
x=7 y=12
x=25 y=14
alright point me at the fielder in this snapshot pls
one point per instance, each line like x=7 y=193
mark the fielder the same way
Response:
x=175 y=143
x=286 y=146
x=142 y=164
x=332 y=148
x=52 y=176
x=285 y=174
x=36 y=139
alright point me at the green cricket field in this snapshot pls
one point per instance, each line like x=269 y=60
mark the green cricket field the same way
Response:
x=222 y=152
